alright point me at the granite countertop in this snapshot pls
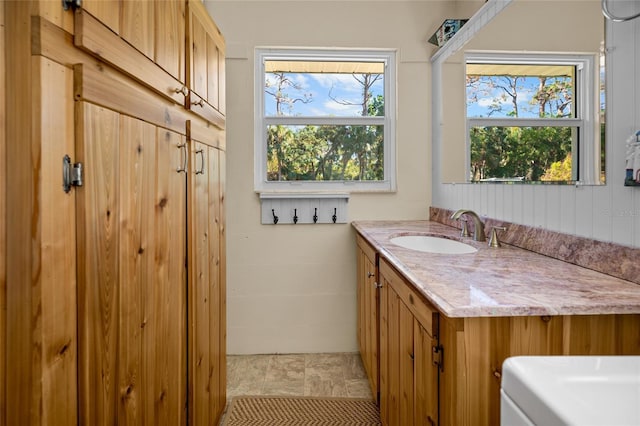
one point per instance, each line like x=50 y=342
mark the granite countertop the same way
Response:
x=505 y=281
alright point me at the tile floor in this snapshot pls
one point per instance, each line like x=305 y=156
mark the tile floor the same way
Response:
x=334 y=374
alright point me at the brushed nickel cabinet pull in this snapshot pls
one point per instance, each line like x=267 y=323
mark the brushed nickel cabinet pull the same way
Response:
x=201 y=170
x=184 y=156
x=182 y=90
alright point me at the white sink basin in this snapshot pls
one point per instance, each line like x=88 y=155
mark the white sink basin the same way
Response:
x=430 y=244
x=575 y=390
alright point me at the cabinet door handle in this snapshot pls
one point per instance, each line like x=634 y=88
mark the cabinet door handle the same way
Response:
x=370 y=274
x=182 y=90
x=183 y=156
x=201 y=170
x=199 y=103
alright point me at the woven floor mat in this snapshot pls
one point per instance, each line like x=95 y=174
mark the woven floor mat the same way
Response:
x=308 y=411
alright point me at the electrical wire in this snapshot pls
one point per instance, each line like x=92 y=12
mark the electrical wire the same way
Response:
x=614 y=18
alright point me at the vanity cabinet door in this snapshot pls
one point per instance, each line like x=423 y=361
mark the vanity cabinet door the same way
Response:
x=368 y=312
x=408 y=336
x=426 y=377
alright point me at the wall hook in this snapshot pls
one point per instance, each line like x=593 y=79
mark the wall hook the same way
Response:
x=335 y=215
x=295 y=216
x=275 y=218
x=315 y=215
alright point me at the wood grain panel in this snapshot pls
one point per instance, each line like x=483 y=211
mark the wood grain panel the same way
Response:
x=222 y=159
x=198 y=46
x=136 y=267
x=100 y=84
x=213 y=180
x=395 y=358
x=98 y=141
x=92 y=37
x=166 y=340
x=360 y=296
x=53 y=12
x=222 y=78
x=21 y=251
x=213 y=72
x=137 y=25
x=453 y=398
x=406 y=364
x=57 y=322
x=535 y=336
x=199 y=299
x=589 y=335
x=106 y=11
x=3 y=224
x=426 y=378
x=627 y=334
x=384 y=352
x=371 y=322
x=170 y=37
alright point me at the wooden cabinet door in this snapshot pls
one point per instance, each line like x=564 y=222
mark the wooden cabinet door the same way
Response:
x=394 y=369
x=368 y=323
x=398 y=369
x=137 y=25
x=170 y=36
x=131 y=271
x=406 y=354
x=206 y=287
x=426 y=377
x=385 y=370
x=361 y=305
x=371 y=324
x=205 y=64
x=106 y=11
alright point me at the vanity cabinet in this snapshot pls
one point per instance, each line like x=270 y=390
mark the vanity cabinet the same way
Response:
x=368 y=318
x=408 y=353
x=475 y=348
x=440 y=369
x=115 y=289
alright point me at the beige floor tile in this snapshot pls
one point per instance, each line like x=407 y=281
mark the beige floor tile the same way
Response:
x=332 y=374
x=358 y=388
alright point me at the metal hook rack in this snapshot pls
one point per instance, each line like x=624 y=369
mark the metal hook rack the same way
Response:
x=298 y=209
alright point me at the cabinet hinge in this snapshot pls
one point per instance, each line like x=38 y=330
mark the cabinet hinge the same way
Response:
x=437 y=356
x=71 y=174
x=71 y=4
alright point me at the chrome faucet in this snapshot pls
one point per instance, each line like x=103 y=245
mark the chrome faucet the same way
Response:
x=478 y=226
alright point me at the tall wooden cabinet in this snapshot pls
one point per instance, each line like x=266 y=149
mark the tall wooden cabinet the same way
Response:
x=115 y=289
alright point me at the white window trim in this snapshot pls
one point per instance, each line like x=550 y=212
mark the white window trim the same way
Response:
x=586 y=120
x=388 y=184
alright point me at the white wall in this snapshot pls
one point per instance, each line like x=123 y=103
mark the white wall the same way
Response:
x=293 y=288
x=607 y=213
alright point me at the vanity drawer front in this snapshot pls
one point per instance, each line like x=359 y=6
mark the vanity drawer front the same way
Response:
x=421 y=309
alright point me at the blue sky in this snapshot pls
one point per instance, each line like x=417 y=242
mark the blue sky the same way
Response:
x=341 y=86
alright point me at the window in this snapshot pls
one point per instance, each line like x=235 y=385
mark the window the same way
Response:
x=531 y=118
x=325 y=120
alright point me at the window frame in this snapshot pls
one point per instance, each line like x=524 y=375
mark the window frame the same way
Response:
x=261 y=120
x=586 y=154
